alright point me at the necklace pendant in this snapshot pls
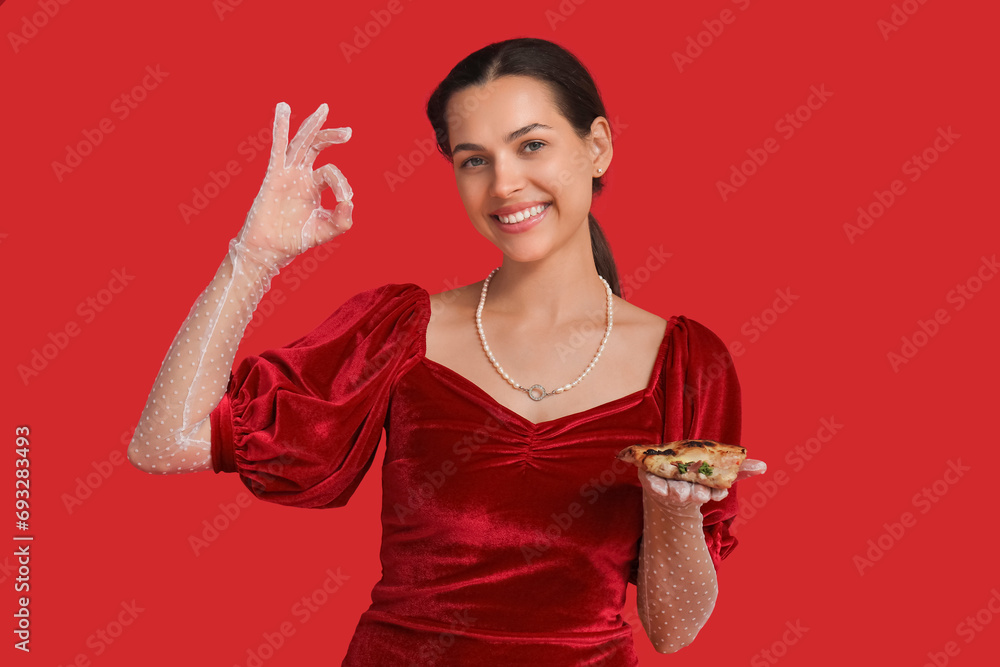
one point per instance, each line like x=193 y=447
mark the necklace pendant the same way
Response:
x=531 y=392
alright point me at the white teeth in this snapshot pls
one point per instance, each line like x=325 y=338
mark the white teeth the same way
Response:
x=522 y=215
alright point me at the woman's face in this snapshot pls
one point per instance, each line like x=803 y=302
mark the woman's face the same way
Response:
x=512 y=150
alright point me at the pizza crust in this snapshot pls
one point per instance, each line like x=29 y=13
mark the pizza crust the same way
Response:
x=723 y=461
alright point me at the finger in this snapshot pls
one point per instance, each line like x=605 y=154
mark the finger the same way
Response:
x=700 y=494
x=306 y=135
x=329 y=176
x=680 y=490
x=751 y=467
x=659 y=487
x=677 y=491
x=325 y=139
x=307 y=132
x=279 y=136
x=335 y=135
x=719 y=494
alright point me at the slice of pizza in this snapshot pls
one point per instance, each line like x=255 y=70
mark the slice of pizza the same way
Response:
x=704 y=462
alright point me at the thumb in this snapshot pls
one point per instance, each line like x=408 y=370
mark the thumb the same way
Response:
x=751 y=467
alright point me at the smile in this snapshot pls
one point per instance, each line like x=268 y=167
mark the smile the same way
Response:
x=521 y=215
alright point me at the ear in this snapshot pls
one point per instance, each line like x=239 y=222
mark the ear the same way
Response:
x=601 y=149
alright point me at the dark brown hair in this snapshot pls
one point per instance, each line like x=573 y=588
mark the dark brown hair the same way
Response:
x=575 y=94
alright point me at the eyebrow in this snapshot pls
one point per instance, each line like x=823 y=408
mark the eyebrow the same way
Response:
x=509 y=138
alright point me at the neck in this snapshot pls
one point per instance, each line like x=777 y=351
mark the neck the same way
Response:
x=550 y=292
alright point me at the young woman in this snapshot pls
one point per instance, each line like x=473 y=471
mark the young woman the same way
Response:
x=510 y=530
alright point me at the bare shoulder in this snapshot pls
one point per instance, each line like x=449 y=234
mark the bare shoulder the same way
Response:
x=451 y=313
x=647 y=329
x=453 y=304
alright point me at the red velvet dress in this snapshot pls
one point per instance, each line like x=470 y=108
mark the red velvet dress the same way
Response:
x=504 y=542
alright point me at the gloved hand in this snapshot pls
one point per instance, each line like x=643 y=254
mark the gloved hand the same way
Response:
x=680 y=497
x=286 y=219
x=677 y=584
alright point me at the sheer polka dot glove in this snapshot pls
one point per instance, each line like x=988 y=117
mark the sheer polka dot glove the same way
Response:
x=677 y=585
x=174 y=431
x=287 y=217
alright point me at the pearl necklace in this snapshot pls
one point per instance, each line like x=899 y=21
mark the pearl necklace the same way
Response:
x=531 y=390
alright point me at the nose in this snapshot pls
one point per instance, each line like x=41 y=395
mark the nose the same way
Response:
x=507 y=178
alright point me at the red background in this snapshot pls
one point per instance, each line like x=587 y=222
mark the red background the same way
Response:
x=679 y=134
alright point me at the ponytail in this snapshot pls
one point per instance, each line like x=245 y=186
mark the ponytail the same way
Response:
x=603 y=258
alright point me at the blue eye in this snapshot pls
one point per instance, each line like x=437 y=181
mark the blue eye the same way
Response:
x=534 y=142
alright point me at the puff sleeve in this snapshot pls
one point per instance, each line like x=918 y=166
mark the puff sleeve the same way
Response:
x=300 y=424
x=713 y=411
